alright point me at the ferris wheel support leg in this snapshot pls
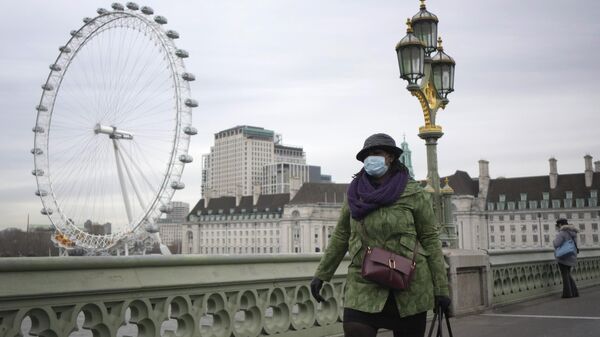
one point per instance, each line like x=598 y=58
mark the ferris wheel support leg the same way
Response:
x=122 y=182
x=133 y=184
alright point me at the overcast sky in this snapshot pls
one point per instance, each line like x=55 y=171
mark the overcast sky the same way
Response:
x=324 y=75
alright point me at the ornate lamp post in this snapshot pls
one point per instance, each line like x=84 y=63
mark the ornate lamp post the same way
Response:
x=430 y=79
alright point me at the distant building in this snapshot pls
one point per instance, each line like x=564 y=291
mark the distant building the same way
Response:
x=510 y=213
x=170 y=226
x=246 y=160
x=406 y=157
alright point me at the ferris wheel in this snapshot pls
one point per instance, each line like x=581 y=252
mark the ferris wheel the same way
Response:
x=113 y=129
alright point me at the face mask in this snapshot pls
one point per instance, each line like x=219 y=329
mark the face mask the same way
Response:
x=375 y=166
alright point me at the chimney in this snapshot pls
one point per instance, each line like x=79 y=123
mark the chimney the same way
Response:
x=553 y=173
x=589 y=173
x=207 y=196
x=255 y=194
x=597 y=166
x=484 y=178
x=238 y=195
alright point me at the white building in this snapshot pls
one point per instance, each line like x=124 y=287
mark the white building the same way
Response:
x=170 y=226
x=246 y=159
x=265 y=224
x=517 y=213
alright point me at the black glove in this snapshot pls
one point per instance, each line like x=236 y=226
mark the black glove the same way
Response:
x=442 y=302
x=315 y=287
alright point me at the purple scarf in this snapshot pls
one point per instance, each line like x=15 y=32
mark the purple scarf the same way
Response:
x=363 y=197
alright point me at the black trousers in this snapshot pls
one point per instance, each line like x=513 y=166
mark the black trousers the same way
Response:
x=363 y=324
x=569 y=286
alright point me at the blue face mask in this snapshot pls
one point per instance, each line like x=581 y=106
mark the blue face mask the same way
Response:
x=375 y=166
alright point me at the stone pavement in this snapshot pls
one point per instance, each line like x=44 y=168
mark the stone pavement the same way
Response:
x=550 y=316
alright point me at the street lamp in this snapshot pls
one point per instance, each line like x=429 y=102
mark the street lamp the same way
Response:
x=430 y=79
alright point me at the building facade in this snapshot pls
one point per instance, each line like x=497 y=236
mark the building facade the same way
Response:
x=170 y=226
x=246 y=160
x=520 y=213
x=266 y=223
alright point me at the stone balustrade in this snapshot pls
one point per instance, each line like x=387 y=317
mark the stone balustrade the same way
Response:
x=236 y=295
x=520 y=275
x=166 y=296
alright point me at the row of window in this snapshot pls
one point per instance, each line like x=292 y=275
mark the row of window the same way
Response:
x=544 y=216
x=534 y=227
x=535 y=238
x=543 y=204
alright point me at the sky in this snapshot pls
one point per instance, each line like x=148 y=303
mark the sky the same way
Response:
x=324 y=75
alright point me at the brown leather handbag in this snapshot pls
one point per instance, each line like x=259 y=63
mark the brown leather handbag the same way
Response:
x=386 y=268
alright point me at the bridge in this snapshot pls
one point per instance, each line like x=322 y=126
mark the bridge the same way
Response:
x=512 y=293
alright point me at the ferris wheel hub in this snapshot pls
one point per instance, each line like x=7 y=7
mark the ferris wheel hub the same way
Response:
x=112 y=132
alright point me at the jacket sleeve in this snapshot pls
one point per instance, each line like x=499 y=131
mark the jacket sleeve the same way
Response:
x=337 y=248
x=428 y=235
x=559 y=239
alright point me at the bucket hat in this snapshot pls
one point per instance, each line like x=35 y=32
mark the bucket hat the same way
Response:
x=379 y=141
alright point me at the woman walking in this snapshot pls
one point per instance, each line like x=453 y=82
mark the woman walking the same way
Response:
x=566 y=232
x=385 y=208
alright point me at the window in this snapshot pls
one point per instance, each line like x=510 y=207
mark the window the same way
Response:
x=535 y=228
x=522 y=216
x=546 y=195
x=502 y=238
x=523 y=196
x=582 y=239
x=533 y=204
x=491 y=229
x=545 y=216
x=511 y=217
x=595 y=226
x=502 y=198
x=523 y=238
x=511 y=205
x=569 y=194
x=513 y=238
x=595 y=238
x=582 y=226
x=512 y=228
x=544 y=204
x=502 y=228
x=535 y=238
x=493 y=238
x=580 y=202
x=501 y=217
x=555 y=203
x=546 y=238
x=490 y=206
x=523 y=228
x=546 y=227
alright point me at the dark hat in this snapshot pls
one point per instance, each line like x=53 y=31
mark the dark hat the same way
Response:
x=561 y=222
x=379 y=141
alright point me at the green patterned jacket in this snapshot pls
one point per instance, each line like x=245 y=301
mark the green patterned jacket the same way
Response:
x=394 y=228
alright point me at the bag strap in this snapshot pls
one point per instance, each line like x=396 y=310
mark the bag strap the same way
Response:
x=363 y=234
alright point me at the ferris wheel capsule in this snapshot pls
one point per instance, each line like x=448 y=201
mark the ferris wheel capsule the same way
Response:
x=166 y=208
x=161 y=20
x=37 y=172
x=192 y=103
x=177 y=185
x=55 y=67
x=64 y=49
x=47 y=211
x=147 y=10
x=188 y=77
x=186 y=158
x=190 y=130
x=76 y=34
x=132 y=6
x=102 y=11
x=117 y=6
x=47 y=87
x=36 y=151
x=182 y=53
x=41 y=107
x=172 y=34
x=41 y=193
x=87 y=20
x=38 y=129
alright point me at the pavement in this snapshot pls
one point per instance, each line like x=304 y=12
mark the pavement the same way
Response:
x=550 y=316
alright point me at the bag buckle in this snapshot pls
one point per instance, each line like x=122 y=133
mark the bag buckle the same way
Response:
x=392 y=263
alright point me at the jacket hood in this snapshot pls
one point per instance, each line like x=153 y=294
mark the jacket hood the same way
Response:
x=570 y=228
